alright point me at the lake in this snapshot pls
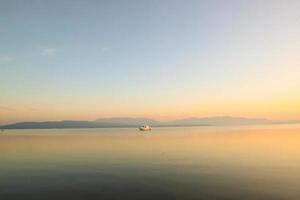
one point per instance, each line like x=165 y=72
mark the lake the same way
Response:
x=226 y=163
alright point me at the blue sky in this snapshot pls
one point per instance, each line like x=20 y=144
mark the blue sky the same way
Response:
x=162 y=59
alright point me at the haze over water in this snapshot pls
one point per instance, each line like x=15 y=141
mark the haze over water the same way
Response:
x=242 y=162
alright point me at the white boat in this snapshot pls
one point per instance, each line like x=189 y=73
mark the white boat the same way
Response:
x=145 y=128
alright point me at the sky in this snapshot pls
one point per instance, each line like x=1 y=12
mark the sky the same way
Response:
x=164 y=59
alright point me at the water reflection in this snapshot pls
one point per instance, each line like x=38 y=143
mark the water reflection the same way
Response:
x=259 y=162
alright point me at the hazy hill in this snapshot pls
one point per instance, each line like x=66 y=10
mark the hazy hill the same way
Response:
x=128 y=121
x=223 y=120
x=135 y=122
x=60 y=124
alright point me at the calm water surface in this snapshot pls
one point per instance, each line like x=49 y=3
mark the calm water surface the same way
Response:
x=257 y=162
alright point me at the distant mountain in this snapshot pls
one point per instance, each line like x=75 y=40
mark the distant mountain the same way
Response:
x=222 y=120
x=61 y=124
x=129 y=121
x=135 y=122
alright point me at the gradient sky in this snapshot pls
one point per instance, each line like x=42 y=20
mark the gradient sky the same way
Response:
x=164 y=59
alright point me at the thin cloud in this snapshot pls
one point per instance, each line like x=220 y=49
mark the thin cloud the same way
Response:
x=104 y=49
x=6 y=58
x=6 y=108
x=49 y=52
x=32 y=109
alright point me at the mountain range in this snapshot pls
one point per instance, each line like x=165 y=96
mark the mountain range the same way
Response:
x=135 y=122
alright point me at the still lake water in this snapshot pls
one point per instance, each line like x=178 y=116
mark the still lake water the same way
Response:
x=246 y=162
